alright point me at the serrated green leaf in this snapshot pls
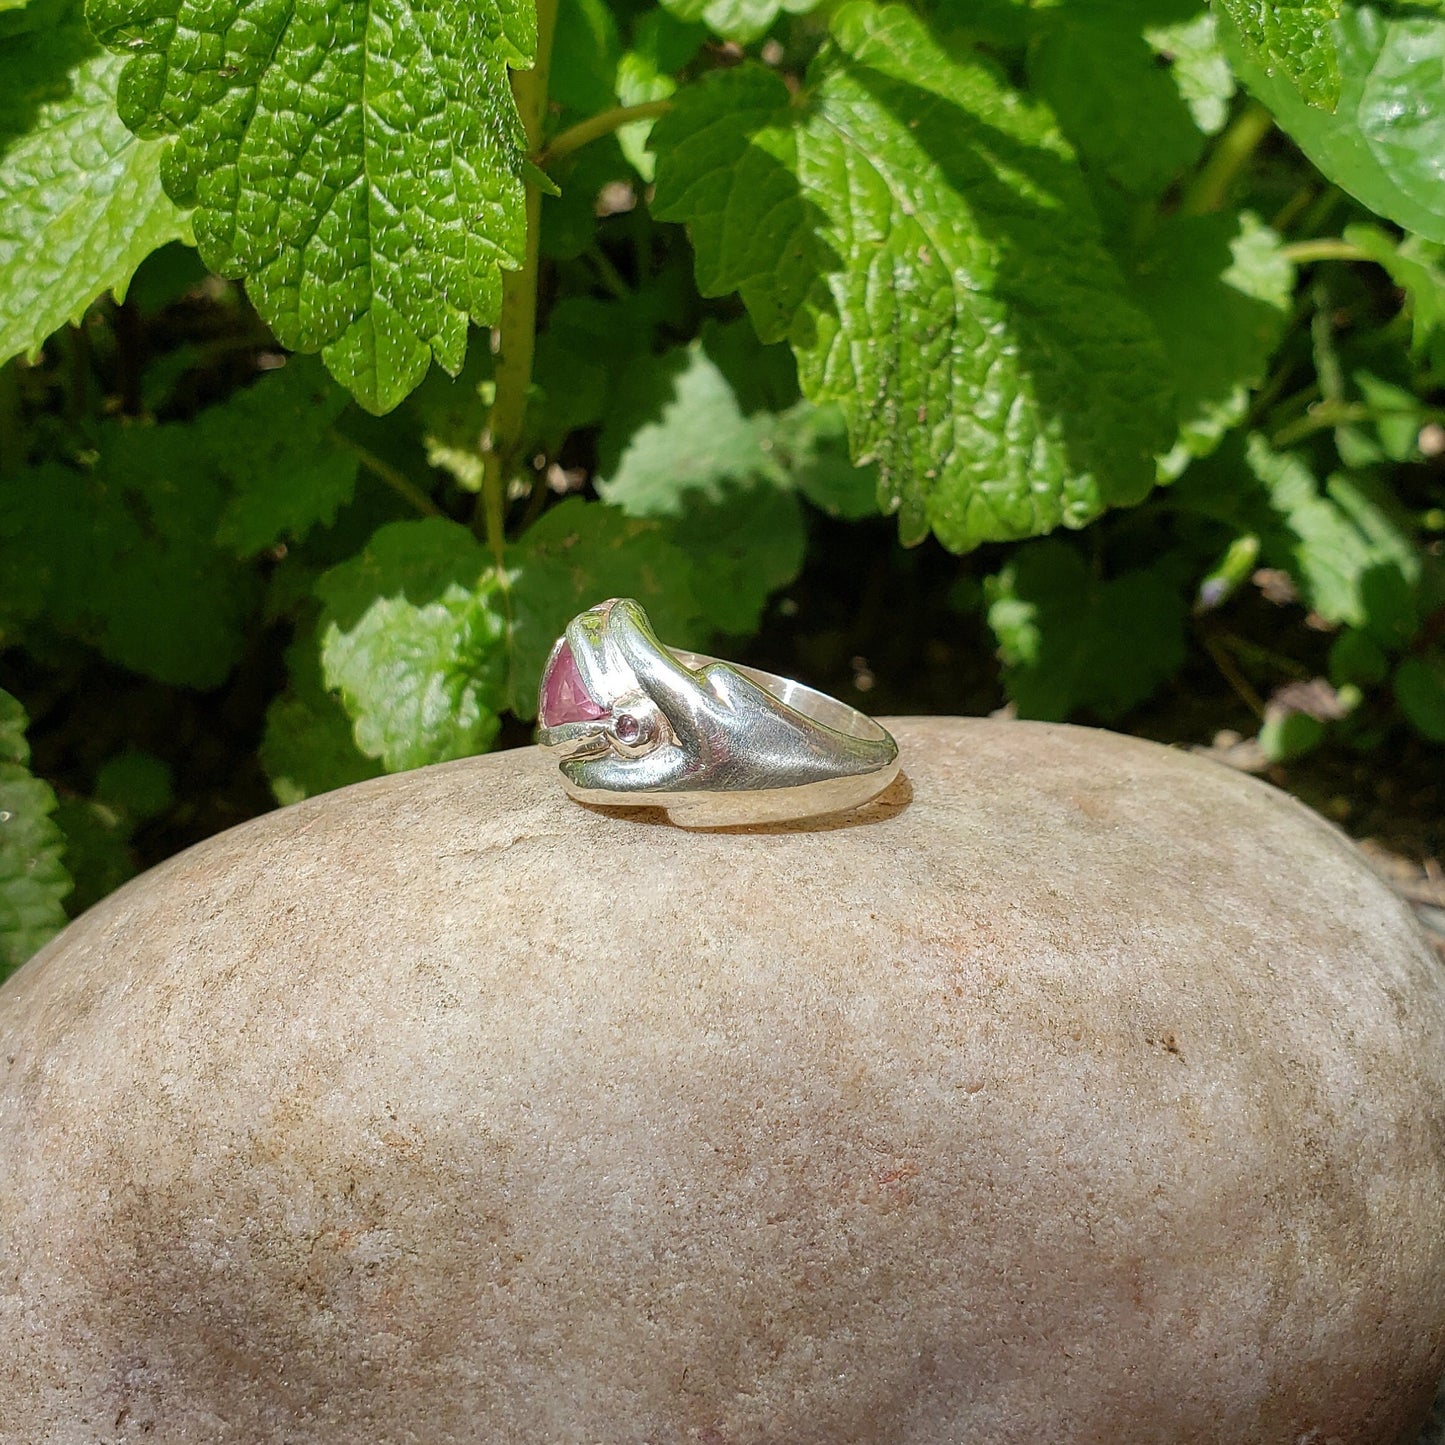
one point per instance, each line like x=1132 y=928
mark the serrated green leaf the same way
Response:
x=81 y=204
x=678 y=447
x=1070 y=640
x=1420 y=691
x=1293 y=42
x=1351 y=560
x=359 y=164
x=426 y=644
x=742 y=21
x=674 y=424
x=309 y=746
x=411 y=638
x=1198 y=67
x=33 y=880
x=274 y=446
x=1218 y=289
x=1107 y=123
x=121 y=555
x=921 y=237
x=1383 y=141
x=580 y=553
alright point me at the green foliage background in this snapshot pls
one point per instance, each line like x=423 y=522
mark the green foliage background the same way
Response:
x=346 y=361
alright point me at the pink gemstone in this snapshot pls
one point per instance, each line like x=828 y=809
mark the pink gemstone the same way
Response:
x=564 y=695
x=628 y=728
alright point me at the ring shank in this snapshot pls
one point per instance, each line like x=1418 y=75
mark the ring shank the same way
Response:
x=816 y=706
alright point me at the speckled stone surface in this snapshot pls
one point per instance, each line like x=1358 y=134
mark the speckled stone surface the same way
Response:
x=1079 y=1091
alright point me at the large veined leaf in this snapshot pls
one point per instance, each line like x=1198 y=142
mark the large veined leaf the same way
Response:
x=359 y=164
x=921 y=236
x=1384 y=141
x=81 y=204
x=1293 y=42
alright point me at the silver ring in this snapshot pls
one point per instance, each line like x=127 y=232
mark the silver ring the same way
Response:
x=636 y=724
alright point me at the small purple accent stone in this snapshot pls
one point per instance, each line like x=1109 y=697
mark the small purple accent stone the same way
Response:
x=627 y=728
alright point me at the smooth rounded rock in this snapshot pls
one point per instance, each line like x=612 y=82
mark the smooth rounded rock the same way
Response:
x=1079 y=1090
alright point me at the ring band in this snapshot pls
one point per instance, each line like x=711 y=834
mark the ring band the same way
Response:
x=636 y=724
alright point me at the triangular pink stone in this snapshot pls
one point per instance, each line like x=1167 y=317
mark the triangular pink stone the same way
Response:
x=564 y=695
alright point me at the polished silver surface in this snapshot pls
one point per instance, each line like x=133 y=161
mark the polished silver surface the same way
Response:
x=636 y=724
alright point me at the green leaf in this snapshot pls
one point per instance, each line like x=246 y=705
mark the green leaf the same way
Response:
x=1219 y=290
x=810 y=443
x=358 y=164
x=1286 y=734
x=708 y=469
x=742 y=21
x=1069 y=639
x=453 y=412
x=274 y=445
x=309 y=746
x=1198 y=67
x=1420 y=691
x=678 y=445
x=580 y=553
x=32 y=878
x=1352 y=562
x=1292 y=42
x=674 y=424
x=121 y=555
x=660 y=47
x=1107 y=122
x=1356 y=658
x=411 y=638
x=922 y=238
x=426 y=644
x=135 y=785
x=1384 y=139
x=585 y=53
x=81 y=204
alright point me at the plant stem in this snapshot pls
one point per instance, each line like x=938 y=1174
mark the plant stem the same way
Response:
x=1229 y=669
x=394 y=477
x=1327 y=248
x=517 y=325
x=1325 y=415
x=597 y=126
x=1209 y=189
